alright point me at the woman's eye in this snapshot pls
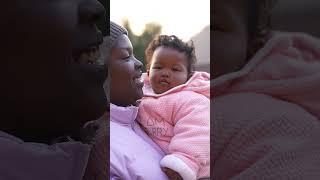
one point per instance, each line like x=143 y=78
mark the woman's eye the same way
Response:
x=175 y=69
x=126 y=57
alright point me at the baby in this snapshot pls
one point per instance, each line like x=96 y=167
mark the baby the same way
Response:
x=175 y=109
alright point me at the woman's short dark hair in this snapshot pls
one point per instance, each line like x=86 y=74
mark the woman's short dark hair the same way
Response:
x=175 y=43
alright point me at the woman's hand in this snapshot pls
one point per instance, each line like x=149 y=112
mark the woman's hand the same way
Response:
x=172 y=175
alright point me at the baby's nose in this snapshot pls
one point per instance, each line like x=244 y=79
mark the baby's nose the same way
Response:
x=165 y=73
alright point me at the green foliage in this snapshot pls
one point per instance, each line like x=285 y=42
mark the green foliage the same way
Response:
x=141 y=42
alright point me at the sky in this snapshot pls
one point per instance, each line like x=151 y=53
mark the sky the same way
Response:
x=183 y=18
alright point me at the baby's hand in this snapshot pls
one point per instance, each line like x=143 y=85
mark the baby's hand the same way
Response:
x=172 y=175
x=88 y=132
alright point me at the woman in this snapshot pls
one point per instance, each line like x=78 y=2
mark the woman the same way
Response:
x=133 y=155
x=45 y=92
x=98 y=167
x=266 y=101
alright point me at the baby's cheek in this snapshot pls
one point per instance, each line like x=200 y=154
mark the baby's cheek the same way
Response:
x=181 y=80
x=153 y=77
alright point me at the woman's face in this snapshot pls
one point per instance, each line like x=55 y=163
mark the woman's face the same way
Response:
x=38 y=71
x=230 y=37
x=125 y=71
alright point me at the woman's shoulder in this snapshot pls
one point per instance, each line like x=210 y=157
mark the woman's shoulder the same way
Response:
x=130 y=154
x=130 y=140
x=120 y=132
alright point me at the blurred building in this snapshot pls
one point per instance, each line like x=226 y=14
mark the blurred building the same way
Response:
x=202 y=47
x=297 y=16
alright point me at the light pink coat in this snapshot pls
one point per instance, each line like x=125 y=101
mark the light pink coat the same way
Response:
x=266 y=115
x=178 y=120
x=287 y=68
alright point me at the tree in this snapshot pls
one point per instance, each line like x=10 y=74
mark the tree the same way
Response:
x=141 y=42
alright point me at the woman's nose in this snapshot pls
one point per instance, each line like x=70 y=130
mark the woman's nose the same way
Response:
x=138 y=64
x=90 y=11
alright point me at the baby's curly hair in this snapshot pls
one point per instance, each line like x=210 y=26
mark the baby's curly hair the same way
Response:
x=175 y=43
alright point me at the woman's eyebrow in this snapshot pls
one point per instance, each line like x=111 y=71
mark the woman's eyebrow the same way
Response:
x=128 y=49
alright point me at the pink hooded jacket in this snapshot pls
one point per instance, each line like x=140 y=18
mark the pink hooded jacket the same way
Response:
x=266 y=116
x=178 y=120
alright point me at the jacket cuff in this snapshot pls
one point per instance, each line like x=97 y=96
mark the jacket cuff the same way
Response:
x=176 y=164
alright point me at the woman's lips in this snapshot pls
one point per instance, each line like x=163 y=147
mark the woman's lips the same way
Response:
x=138 y=81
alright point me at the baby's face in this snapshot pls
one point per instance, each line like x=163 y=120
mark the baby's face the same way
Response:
x=168 y=69
x=230 y=37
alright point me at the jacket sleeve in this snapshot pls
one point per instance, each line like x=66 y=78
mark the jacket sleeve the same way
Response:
x=30 y=161
x=189 y=149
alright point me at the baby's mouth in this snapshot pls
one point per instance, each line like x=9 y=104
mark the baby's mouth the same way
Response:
x=164 y=82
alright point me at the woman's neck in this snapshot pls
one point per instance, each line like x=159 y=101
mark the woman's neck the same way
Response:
x=126 y=104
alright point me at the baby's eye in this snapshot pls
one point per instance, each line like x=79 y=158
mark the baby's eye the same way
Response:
x=175 y=69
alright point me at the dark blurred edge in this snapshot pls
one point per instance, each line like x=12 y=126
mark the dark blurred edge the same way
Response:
x=288 y=16
x=297 y=16
x=103 y=25
x=211 y=88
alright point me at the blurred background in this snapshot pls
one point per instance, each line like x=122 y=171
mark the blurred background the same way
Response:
x=102 y=24
x=187 y=19
x=297 y=16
